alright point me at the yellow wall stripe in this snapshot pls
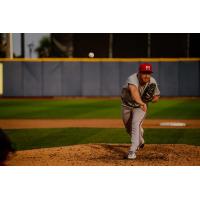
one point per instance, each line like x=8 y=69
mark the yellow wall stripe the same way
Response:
x=98 y=59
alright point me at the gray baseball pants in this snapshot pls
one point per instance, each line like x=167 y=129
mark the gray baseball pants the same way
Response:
x=133 y=119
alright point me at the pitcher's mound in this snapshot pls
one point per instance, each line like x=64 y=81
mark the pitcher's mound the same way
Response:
x=108 y=154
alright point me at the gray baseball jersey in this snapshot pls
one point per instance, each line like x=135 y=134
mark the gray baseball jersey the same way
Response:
x=126 y=97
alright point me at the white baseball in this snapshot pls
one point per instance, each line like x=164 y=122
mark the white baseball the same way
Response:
x=91 y=55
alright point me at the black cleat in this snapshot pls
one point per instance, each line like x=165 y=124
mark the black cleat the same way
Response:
x=141 y=146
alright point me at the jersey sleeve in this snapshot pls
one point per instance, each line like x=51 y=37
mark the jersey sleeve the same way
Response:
x=133 y=81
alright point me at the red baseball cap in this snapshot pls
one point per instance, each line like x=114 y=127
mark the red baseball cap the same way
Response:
x=145 y=68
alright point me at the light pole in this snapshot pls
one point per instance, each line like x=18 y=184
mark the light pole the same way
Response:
x=9 y=48
x=30 y=46
x=188 y=46
x=22 y=45
x=149 y=45
x=110 y=45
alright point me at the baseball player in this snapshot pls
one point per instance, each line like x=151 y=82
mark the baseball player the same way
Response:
x=139 y=89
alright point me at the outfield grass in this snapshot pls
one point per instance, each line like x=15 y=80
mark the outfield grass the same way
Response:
x=94 y=108
x=175 y=109
x=40 y=138
x=67 y=109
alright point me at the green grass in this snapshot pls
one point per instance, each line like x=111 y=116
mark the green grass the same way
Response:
x=175 y=109
x=94 y=108
x=40 y=138
x=70 y=108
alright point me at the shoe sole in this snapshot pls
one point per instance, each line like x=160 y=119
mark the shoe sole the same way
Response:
x=131 y=158
x=126 y=158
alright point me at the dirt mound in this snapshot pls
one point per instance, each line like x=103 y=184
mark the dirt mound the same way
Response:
x=108 y=155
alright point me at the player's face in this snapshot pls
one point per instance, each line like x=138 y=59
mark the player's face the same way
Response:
x=145 y=77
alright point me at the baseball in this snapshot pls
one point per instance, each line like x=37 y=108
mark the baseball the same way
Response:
x=91 y=55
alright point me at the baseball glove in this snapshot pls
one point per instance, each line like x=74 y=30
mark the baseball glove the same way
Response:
x=149 y=93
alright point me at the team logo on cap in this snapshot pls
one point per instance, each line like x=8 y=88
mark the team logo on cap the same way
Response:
x=148 y=67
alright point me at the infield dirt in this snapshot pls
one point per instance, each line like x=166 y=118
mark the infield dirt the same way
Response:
x=108 y=155
x=90 y=123
x=103 y=154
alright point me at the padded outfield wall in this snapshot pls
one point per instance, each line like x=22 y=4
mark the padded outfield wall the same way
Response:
x=95 y=77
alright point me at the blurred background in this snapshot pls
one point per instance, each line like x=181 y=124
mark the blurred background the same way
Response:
x=103 y=45
x=96 y=64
